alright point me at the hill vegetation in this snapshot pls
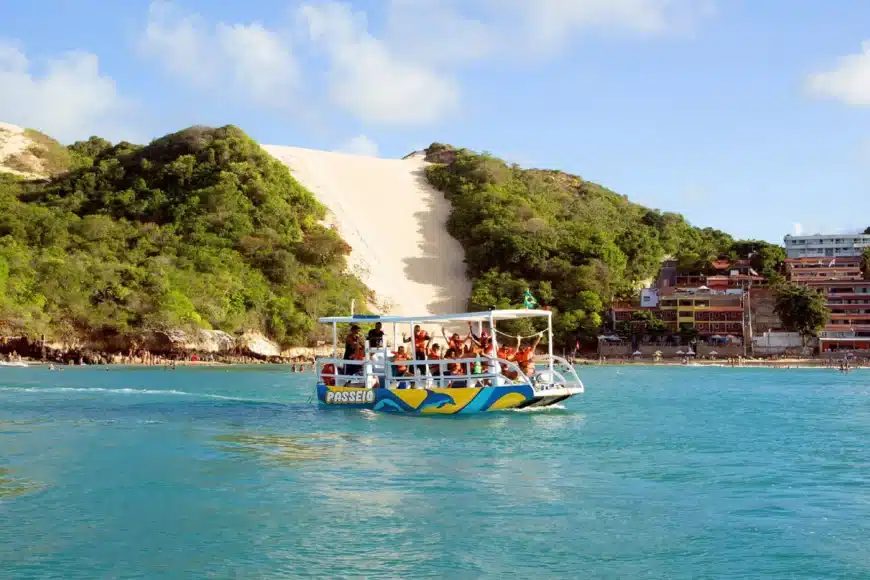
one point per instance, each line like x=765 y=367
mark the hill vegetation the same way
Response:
x=575 y=244
x=199 y=229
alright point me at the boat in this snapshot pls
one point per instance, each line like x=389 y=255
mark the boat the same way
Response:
x=491 y=383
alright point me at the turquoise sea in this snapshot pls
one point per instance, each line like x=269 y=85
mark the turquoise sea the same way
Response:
x=235 y=473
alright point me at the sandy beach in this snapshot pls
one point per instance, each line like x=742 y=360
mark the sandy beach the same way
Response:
x=783 y=363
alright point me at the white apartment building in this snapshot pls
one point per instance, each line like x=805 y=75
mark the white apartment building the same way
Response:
x=826 y=246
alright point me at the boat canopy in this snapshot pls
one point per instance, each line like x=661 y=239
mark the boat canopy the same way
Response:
x=462 y=317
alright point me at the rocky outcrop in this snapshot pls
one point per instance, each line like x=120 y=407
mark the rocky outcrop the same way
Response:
x=255 y=343
x=306 y=352
x=211 y=341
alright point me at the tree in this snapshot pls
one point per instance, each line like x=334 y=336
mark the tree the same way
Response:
x=867 y=231
x=527 y=228
x=767 y=260
x=199 y=229
x=801 y=309
x=865 y=263
x=688 y=333
x=648 y=323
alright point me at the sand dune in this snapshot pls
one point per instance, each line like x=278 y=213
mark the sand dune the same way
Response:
x=395 y=223
x=14 y=143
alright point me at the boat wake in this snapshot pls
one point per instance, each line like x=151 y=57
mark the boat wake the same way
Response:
x=117 y=391
x=539 y=409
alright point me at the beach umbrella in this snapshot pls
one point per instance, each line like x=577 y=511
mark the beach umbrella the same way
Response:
x=680 y=352
x=691 y=353
x=658 y=352
x=716 y=336
x=636 y=353
x=713 y=353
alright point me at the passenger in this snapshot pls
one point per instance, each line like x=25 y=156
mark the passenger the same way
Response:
x=526 y=353
x=454 y=341
x=434 y=354
x=352 y=345
x=468 y=352
x=421 y=337
x=528 y=369
x=506 y=353
x=375 y=336
x=359 y=354
x=328 y=374
x=401 y=355
x=484 y=341
x=455 y=369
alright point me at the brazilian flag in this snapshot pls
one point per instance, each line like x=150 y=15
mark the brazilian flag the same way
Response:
x=529 y=300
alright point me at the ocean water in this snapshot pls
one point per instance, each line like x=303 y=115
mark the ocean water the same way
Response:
x=236 y=473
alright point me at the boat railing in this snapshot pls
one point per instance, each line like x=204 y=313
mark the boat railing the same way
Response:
x=563 y=370
x=373 y=372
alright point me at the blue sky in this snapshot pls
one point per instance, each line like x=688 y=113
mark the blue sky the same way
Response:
x=744 y=115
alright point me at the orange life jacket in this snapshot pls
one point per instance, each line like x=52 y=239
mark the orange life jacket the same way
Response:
x=420 y=340
x=328 y=374
x=397 y=356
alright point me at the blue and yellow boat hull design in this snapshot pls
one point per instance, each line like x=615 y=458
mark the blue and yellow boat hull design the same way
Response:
x=447 y=401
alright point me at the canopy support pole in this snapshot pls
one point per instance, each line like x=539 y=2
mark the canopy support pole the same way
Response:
x=550 y=340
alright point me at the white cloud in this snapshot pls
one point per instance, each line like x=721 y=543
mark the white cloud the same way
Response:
x=360 y=145
x=260 y=61
x=369 y=79
x=70 y=100
x=255 y=62
x=545 y=26
x=848 y=81
x=180 y=42
x=438 y=32
x=401 y=73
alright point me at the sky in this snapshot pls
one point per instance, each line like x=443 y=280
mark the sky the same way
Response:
x=748 y=116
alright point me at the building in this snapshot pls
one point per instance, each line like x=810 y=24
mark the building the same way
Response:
x=826 y=246
x=726 y=274
x=805 y=270
x=847 y=296
x=667 y=275
x=710 y=312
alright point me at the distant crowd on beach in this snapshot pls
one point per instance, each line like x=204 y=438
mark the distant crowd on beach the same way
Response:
x=845 y=363
x=141 y=357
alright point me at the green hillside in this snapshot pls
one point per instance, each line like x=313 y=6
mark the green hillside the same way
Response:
x=201 y=228
x=575 y=244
